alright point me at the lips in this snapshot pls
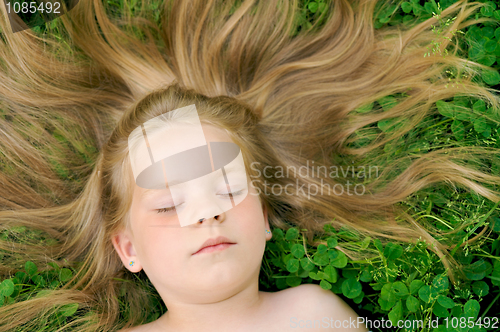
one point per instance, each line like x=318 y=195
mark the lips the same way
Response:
x=214 y=242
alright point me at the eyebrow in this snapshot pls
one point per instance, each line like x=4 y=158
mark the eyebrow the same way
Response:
x=150 y=192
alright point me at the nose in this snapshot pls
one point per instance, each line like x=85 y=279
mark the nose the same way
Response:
x=217 y=217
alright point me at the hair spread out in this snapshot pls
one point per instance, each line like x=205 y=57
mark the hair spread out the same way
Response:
x=285 y=99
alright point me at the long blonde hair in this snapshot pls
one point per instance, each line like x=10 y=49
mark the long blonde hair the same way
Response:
x=286 y=100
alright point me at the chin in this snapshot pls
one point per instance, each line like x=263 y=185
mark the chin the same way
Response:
x=221 y=281
x=216 y=293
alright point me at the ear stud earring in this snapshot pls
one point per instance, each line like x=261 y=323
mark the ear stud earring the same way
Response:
x=268 y=231
x=131 y=263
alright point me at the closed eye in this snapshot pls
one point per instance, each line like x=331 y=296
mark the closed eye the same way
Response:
x=166 y=209
x=239 y=192
x=171 y=208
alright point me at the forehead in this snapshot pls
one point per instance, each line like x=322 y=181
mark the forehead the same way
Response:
x=157 y=140
x=180 y=132
x=181 y=137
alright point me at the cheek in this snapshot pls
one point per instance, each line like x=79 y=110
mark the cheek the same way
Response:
x=250 y=213
x=160 y=242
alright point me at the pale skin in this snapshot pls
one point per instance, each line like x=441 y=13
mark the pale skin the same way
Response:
x=216 y=291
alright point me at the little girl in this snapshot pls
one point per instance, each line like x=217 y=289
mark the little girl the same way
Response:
x=206 y=271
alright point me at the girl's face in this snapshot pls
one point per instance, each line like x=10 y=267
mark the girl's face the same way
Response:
x=168 y=252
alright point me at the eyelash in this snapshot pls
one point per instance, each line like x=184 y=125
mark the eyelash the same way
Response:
x=164 y=210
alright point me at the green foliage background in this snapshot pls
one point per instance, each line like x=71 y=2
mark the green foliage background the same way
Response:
x=401 y=281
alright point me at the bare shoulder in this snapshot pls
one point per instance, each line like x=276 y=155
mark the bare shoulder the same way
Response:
x=318 y=300
x=311 y=306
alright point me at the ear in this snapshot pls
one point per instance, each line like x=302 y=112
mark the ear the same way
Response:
x=122 y=241
x=264 y=210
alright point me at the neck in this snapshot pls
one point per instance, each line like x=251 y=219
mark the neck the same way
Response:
x=225 y=312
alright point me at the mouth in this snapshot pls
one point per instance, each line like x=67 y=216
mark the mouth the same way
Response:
x=217 y=244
